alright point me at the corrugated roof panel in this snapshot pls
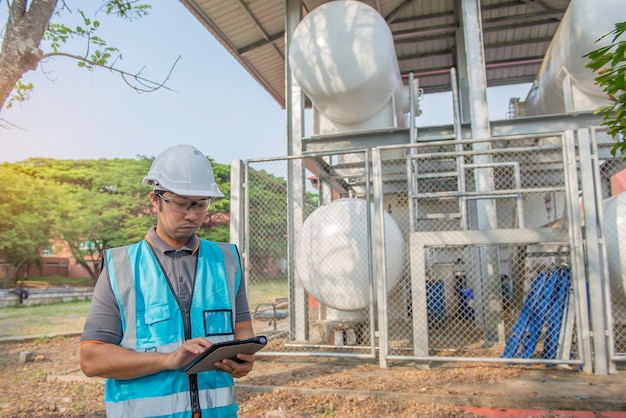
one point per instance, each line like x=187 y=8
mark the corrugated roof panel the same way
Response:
x=271 y=13
x=427 y=8
x=228 y=17
x=511 y=75
x=267 y=61
x=265 y=57
x=241 y=29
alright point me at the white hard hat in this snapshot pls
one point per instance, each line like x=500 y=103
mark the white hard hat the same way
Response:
x=183 y=170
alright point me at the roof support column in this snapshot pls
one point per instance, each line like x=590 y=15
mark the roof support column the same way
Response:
x=486 y=261
x=294 y=101
x=460 y=62
x=475 y=68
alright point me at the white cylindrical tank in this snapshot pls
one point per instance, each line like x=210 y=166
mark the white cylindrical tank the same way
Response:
x=584 y=22
x=342 y=55
x=615 y=237
x=332 y=258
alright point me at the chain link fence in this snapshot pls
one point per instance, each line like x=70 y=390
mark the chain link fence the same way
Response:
x=476 y=262
x=327 y=304
x=489 y=251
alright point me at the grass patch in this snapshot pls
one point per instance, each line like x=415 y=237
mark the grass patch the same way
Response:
x=266 y=291
x=47 y=319
x=57 y=281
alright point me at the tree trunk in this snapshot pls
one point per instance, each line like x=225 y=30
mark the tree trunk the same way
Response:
x=20 y=48
x=7 y=275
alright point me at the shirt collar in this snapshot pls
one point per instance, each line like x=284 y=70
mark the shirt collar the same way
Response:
x=158 y=244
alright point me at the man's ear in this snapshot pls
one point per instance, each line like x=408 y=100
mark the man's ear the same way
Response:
x=154 y=200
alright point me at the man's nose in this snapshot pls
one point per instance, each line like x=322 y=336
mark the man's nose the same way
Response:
x=191 y=213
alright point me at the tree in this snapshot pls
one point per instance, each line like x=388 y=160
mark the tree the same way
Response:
x=215 y=227
x=101 y=204
x=610 y=64
x=28 y=207
x=31 y=22
x=267 y=221
x=104 y=203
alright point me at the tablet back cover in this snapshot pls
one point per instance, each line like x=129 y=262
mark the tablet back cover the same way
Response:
x=220 y=351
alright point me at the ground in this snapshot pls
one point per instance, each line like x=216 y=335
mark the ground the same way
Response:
x=51 y=385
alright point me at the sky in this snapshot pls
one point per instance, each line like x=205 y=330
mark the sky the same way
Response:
x=212 y=102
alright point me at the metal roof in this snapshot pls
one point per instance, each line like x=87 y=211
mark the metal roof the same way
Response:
x=516 y=36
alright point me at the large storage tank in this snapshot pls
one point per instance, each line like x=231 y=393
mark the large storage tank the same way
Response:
x=333 y=258
x=343 y=57
x=584 y=22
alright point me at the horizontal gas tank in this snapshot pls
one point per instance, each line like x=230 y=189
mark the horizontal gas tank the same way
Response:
x=584 y=22
x=333 y=259
x=342 y=56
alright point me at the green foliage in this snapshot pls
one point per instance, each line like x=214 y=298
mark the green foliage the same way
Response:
x=103 y=203
x=127 y=9
x=268 y=198
x=60 y=281
x=609 y=62
x=217 y=233
x=100 y=202
x=268 y=221
x=97 y=51
x=21 y=93
x=214 y=227
x=28 y=206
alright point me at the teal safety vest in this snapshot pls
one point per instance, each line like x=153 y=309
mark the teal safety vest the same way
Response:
x=153 y=321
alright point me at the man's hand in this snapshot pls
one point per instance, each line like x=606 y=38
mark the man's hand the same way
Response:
x=235 y=368
x=186 y=352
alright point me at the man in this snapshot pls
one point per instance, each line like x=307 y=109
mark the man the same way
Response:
x=162 y=301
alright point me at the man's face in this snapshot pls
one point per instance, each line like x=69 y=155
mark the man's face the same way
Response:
x=178 y=216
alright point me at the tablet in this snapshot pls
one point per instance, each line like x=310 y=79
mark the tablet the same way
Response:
x=223 y=350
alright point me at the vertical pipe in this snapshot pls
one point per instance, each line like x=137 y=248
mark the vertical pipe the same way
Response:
x=412 y=108
x=376 y=249
x=298 y=305
x=461 y=63
x=458 y=136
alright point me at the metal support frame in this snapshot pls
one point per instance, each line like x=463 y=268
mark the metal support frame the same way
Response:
x=577 y=257
x=593 y=235
x=238 y=203
x=496 y=195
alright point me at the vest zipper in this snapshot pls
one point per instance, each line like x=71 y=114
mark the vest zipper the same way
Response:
x=193 y=378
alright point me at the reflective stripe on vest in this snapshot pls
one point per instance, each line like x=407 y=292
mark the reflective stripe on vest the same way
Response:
x=152 y=321
x=172 y=407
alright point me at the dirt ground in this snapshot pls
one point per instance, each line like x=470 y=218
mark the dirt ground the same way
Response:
x=51 y=385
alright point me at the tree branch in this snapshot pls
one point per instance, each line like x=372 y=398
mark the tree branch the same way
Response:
x=18 y=9
x=141 y=84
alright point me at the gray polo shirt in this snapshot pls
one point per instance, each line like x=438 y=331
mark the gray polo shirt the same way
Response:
x=104 y=322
